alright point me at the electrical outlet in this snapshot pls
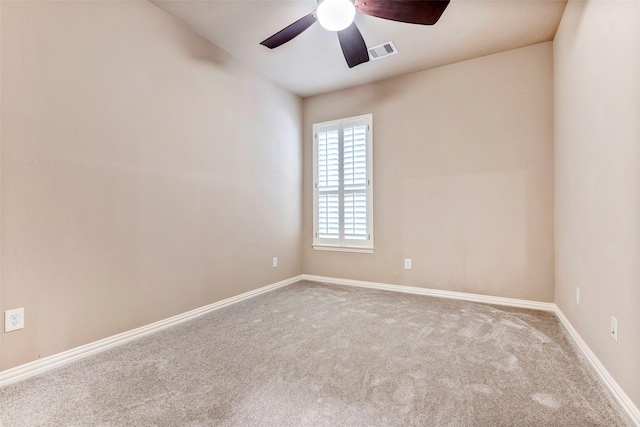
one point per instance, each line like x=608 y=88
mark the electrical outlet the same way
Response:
x=577 y=296
x=275 y=261
x=614 y=329
x=407 y=264
x=13 y=319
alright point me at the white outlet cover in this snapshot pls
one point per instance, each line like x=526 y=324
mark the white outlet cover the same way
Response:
x=13 y=319
x=275 y=261
x=614 y=329
x=577 y=296
x=407 y=264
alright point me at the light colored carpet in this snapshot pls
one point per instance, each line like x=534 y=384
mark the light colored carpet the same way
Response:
x=313 y=354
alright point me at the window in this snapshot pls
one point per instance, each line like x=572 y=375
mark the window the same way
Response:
x=343 y=185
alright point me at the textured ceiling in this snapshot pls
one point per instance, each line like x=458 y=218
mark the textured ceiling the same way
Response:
x=312 y=63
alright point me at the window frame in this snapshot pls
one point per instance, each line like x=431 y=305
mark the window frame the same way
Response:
x=342 y=244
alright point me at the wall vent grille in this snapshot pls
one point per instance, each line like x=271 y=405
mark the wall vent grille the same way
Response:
x=382 y=50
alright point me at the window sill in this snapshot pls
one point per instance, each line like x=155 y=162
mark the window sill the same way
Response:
x=354 y=249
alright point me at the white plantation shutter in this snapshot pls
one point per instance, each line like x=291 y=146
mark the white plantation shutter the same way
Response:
x=329 y=159
x=355 y=157
x=328 y=183
x=343 y=217
x=355 y=181
x=355 y=216
x=329 y=216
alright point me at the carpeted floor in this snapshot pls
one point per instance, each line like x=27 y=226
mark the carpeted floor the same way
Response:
x=313 y=354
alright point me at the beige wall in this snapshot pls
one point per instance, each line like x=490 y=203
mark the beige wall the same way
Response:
x=597 y=169
x=144 y=173
x=463 y=177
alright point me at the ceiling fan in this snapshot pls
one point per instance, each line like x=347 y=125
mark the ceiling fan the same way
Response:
x=338 y=15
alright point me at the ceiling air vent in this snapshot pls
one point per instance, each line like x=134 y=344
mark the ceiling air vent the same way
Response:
x=382 y=50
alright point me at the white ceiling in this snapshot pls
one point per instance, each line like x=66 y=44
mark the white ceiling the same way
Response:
x=312 y=63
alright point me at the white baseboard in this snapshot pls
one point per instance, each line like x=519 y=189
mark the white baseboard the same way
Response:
x=614 y=387
x=39 y=366
x=487 y=299
x=57 y=360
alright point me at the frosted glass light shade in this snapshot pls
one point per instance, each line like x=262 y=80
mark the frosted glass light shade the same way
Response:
x=336 y=15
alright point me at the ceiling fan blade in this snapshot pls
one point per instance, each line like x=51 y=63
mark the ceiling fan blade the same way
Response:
x=353 y=46
x=425 y=12
x=293 y=30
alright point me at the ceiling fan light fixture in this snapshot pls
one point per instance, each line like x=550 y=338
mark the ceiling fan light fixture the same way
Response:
x=336 y=15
